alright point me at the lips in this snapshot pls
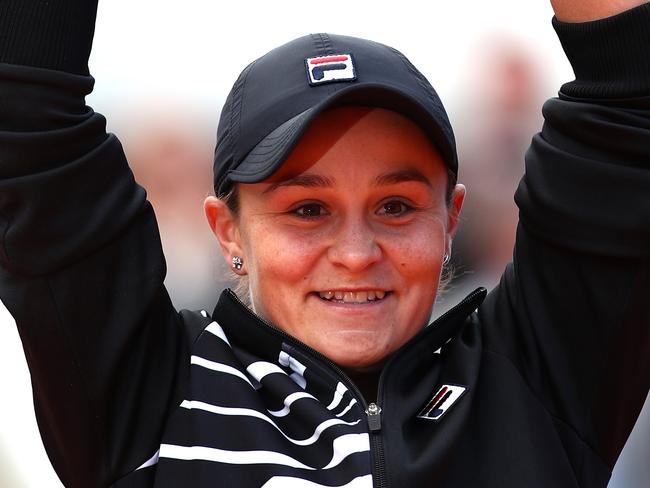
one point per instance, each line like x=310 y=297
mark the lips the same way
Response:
x=365 y=296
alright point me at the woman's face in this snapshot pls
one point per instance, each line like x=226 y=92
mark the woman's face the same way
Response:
x=344 y=244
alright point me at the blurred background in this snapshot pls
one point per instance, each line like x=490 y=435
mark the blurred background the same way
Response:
x=163 y=72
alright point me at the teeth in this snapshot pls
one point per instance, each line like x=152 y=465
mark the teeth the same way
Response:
x=353 y=297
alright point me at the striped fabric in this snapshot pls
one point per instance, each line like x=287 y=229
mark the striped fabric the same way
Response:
x=248 y=421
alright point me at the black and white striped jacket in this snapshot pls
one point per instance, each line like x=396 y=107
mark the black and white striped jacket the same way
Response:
x=263 y=410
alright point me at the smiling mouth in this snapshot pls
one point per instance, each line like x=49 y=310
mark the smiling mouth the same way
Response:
x=352 y=296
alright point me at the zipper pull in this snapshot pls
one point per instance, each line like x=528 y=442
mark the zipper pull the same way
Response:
x=374 y=417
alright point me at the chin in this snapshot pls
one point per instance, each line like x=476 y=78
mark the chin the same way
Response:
x=351 y=355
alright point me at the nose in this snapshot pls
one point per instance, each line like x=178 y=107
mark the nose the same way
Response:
x=355 y=246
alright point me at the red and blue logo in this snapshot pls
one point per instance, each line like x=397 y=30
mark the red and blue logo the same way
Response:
x=330 y=68
x=442 y=401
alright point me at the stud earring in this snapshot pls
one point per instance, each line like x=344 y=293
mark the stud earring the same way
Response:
x=237 y=263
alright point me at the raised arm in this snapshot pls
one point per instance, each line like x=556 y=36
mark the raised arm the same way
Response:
x=81 y=266
x=588 y=10
x=571 y=312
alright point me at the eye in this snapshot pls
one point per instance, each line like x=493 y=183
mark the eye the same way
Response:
x=394 y=208
x=310 y=210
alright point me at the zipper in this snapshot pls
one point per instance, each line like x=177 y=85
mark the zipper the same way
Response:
x=376 y=445
x=372 y=410
x=374 y=417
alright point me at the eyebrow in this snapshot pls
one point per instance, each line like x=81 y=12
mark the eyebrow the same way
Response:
x=402 y=176
x=318 y=181
x=304 y=180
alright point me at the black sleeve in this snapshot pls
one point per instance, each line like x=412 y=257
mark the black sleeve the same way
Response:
x=81 y=265
x=571 y=312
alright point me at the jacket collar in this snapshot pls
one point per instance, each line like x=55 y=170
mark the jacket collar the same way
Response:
x=248 y=331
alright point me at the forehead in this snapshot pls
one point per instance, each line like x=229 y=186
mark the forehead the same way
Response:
x=354 y=141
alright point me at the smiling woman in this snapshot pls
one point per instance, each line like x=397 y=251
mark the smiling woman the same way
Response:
x=344 y=244
x=336 y=197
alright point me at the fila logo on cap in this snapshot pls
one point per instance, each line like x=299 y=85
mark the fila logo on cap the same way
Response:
x=330 y=68
x=442 y=401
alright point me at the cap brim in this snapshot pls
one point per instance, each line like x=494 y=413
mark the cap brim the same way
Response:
x=269 y=154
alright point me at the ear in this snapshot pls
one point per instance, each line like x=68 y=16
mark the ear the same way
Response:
x=225 y=227
x=453 y=213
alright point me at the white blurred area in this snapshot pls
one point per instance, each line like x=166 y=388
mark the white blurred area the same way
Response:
x=163 y=70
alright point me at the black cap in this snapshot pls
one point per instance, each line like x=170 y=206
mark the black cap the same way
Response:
x=276 y=98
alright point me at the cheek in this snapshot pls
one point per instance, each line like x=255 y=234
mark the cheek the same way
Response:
x=279 y=258
x=418 y=253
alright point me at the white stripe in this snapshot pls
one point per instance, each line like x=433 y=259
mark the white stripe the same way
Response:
x=297 y=366
x=247 y=412
x=343 y=447
x=298 y=375
x=286 y=360
x=338 y=396
x=288 y=401
x=215 y=329
x=298 y=380
x=286 y=482
x=352 y=402
x=188 y=453
x=222 y=368
x=151 y=461
x=346 y=445
x=260 y=369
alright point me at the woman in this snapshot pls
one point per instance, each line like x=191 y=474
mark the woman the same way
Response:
x=336 y=197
